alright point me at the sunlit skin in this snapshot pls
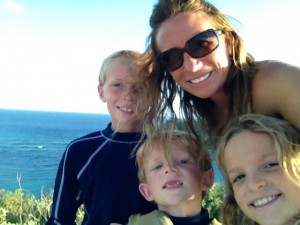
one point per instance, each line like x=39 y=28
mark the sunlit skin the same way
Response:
x=203 y=77
x=121 y=95
x=261 y=188
x=176 y=189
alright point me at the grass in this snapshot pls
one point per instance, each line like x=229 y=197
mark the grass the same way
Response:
x=22 y=208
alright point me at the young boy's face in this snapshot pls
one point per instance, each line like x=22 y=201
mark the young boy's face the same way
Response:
x=174 y=188
x=121 y=94
x=261 y=188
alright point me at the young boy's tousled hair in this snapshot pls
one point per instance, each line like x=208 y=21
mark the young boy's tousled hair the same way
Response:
x=134 y=56
x=162 y=141
x=286 y=142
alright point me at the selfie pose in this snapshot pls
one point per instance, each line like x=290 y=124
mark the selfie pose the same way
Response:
x=196 y=53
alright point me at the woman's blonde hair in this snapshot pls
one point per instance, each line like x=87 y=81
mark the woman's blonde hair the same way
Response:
x=286 y=142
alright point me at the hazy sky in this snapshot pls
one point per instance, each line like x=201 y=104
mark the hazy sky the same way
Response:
x=51 y=50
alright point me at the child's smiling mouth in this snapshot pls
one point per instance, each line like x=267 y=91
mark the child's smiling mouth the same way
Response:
x=265 y=201
x=172 y=184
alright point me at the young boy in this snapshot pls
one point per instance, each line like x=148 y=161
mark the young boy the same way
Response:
x=259 y=157
x=174 y=172
x=98 y=170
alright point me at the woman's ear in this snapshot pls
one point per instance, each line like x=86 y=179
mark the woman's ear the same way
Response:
x=229 y=43
x=144 y=189
x=101 y=93
x=207 y=179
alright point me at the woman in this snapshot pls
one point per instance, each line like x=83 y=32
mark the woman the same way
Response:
x=195 y=52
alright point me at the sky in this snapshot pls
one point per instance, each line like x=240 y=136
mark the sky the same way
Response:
x=51 y=50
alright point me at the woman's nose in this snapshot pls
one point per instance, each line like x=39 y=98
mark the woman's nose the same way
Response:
x=191 y=64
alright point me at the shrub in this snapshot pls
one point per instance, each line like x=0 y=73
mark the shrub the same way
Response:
x=213 y=201
x=23 y=208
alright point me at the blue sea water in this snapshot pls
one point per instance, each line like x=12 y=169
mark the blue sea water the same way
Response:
x=32 y=144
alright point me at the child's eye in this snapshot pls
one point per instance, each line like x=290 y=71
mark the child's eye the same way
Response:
x=138 y=90
x=237 y=178
x=157 y=167
x=183 y=161
x=271 y=165
x=117 y=85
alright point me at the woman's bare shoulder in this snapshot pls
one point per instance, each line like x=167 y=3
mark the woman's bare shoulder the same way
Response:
x=272 y=69
x=274 y=75
x=276 y=91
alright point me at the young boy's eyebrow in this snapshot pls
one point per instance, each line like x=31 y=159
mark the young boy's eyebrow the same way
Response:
x=233 y=170
x=269 y=154
x=156 y=160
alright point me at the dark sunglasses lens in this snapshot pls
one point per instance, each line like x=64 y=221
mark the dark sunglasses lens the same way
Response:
x=172 y=59
x=202 y=44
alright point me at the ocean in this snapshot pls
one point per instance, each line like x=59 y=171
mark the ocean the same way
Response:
x=33 y=142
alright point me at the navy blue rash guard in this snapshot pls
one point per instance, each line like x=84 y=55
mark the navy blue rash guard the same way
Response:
x=97 y=170
x=200 y=219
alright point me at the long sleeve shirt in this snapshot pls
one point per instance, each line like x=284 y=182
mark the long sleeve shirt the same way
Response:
x=98 y=170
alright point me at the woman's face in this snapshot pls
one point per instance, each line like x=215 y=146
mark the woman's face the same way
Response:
x=202 y=77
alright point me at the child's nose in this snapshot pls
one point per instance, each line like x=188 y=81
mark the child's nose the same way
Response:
x=169 y=169
x=256 y=182
x=128 y=94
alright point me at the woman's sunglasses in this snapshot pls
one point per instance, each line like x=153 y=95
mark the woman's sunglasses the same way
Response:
x=198 y=46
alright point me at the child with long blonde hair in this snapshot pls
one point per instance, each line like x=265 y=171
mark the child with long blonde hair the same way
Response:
x=259 y=157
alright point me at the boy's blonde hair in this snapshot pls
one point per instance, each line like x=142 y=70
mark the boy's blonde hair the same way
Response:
x=286 y=142
x=162 y=141
x=134 y=67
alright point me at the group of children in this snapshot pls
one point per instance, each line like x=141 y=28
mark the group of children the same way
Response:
x=137 y=172
x=122 y=177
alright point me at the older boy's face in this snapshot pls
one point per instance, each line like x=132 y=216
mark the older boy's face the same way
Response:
x=122 y=95
x=173 y=186
x=261 y=188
